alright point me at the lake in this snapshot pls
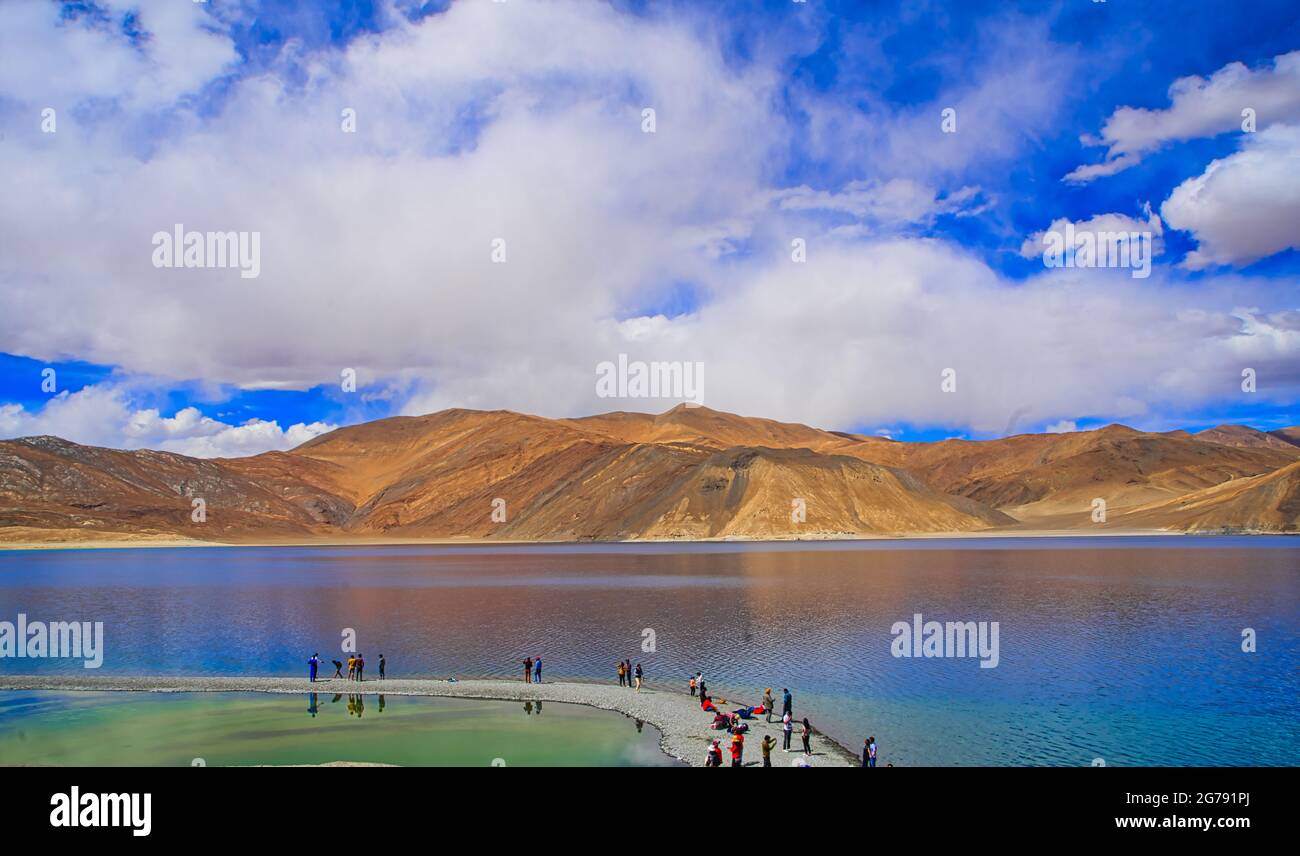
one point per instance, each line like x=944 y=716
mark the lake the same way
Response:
x=1123 y=649
x=105 y=729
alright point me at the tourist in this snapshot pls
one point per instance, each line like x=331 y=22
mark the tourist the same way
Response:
x=352 y=667
x=338 y=668
x=528 y=670
x=807 y=736
x=714 y=756
x=622 y=675
x=787 y=703
x=767 y=746
x=628 y=665
x=871 y=750
x=866 y=752
x=361 y=665
x=537 y=670
x=768 y=703
x=382 y=665
x=704 y=690
x=787 y=728
x=692 y=686
x=312 y=664
x=737 y=750
x=639 y=675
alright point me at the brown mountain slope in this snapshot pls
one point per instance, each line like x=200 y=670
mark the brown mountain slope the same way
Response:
x=439 y=476
x=1264 y=503
x=687 y=473
x=1034 y=477
x=714 y=429
x=1290 y=435
x=1245 y=437
x=50 y=483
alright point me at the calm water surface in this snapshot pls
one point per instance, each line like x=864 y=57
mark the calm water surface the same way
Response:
x=239 y=729
x=1126 y=649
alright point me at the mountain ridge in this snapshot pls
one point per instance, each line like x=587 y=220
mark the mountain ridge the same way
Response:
x=690 y=473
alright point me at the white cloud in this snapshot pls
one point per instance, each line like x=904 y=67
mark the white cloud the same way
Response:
x=899 y=201
x=474 y=125
x=1199 y=107
x=101 y=415
x=1244 y=207
x=96 y=59
x=1065 y=426
x=1110 y=223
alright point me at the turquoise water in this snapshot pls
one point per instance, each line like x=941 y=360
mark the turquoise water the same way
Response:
x=1126 y=649
x=247 y=729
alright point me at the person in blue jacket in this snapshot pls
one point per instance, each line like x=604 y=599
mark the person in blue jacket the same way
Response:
x=312 y=664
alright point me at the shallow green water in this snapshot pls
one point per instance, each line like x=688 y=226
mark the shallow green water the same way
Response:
x=238 y=729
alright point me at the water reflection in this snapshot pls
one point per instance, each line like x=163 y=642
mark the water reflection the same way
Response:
x=1120 y=648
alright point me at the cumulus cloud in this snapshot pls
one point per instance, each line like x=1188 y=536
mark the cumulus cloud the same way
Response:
x=1244 y=207
x=476 y=126
x=102 y=415
x=1065 y=426
x=1034 y=246
x=173 y=51
x=1199 y=107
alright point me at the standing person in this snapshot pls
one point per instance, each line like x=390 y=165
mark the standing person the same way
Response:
x=871 y=750
x=807 y=736
x=528 y=670
x=768 y=703
x=338 y=668
x=737 y=750
x=361 y=665
x=699 y=679
x=787 y=729
x=767 y=746
x=866 y=752
x=382 y=664
x=312 y=664
x=787 y=702
x=714 y=756
x=639 y=675
x=692 y=686
x=537 y=670
x=622 y=678
x=352 y=667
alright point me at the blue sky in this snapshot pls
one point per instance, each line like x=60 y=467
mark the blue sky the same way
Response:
x=816 y=121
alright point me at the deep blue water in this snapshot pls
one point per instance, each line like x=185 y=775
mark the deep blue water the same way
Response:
x=1125 y=649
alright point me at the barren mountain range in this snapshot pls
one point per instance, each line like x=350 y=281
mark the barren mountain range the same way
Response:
x=690 y=473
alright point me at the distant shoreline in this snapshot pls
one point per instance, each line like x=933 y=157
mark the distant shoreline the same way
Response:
x=683 y=727
x=128 y=541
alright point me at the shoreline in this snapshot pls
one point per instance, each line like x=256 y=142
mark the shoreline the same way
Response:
x=683 y=728
x=127 y=541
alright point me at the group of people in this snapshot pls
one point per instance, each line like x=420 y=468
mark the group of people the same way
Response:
x=356 y=667
x=533 y=669
x=734 y=723
x=628 y=676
